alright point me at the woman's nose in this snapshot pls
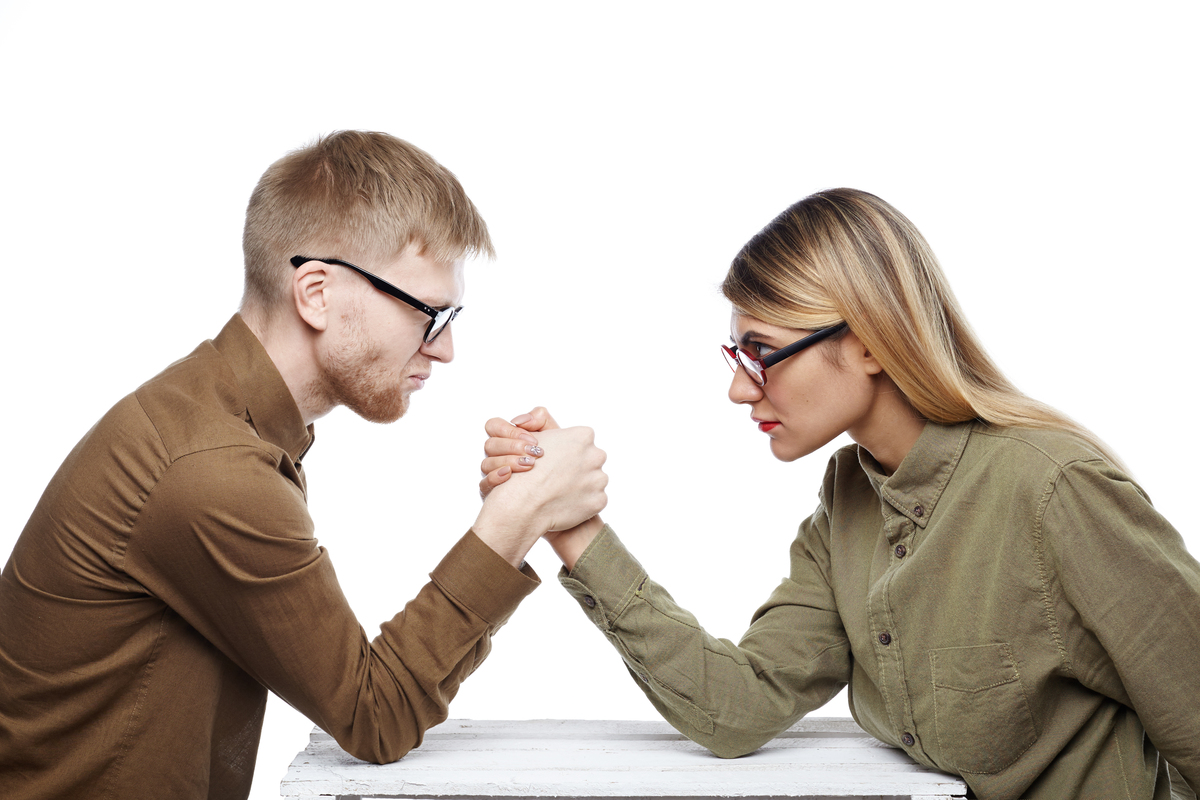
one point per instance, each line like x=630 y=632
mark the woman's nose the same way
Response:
x=743 y=389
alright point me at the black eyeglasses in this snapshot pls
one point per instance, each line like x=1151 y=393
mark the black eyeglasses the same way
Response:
x=755 y=367
x=439 y=318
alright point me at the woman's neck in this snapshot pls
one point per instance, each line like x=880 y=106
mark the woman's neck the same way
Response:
x=891 y=428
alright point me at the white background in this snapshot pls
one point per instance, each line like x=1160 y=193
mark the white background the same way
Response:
x=621 y=157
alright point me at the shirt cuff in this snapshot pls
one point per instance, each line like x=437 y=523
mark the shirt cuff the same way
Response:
x=478 y=578
x=606 y=578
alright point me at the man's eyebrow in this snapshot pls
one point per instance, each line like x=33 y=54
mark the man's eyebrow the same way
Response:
x=441 y=304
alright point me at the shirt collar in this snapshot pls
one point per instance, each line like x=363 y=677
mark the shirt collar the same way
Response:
x=272 y=409
x=917 y=485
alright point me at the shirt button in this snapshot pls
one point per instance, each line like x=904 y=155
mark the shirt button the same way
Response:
x=908 y=740
x=885 y=638
x=919 y=511
x=901 y=551
x=591 y=601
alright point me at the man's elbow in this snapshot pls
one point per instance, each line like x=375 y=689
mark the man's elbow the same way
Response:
x=380 y=755
x=382 y=749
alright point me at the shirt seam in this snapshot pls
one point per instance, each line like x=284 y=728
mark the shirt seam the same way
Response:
x=627 y=598
x=168 y=463
x=1121 y=763
x=1043 y=569
x=148 y=671
x=459 y=600
x=1061 y=463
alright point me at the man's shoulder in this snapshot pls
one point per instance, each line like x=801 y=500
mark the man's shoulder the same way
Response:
x=196 y=404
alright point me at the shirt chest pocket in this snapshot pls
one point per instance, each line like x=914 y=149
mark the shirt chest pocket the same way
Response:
x=981 y=714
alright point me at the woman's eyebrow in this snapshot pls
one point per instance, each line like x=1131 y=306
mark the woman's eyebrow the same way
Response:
x=749 y=336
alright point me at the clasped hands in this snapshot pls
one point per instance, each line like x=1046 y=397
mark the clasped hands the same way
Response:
x=559 y=500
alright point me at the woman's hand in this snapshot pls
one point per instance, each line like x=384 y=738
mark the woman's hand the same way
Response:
x=511 y=447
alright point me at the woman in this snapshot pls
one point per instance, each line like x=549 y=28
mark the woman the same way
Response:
x=1003 y=601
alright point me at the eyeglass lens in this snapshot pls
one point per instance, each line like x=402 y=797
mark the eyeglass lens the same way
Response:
x=735 y=357
x=439 y=323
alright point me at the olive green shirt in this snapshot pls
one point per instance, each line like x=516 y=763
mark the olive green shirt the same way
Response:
x=169 y=577
x=1007 y=607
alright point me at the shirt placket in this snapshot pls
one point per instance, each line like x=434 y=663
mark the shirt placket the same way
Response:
x=889 y=639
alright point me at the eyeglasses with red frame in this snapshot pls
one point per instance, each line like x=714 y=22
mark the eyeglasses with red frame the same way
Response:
x=756 y=368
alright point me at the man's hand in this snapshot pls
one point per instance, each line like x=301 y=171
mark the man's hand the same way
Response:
x=512 y=449
x=567 y=488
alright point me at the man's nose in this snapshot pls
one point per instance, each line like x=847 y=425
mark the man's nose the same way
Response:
x=442 y=348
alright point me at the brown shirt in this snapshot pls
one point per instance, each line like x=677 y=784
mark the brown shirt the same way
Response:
x=1007 y=606
x=169 y=576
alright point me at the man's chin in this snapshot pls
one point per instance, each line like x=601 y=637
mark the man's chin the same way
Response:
x=381 y=410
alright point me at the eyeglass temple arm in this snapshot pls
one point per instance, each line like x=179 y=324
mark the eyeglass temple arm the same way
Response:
x=796 y=347
x=376 y=281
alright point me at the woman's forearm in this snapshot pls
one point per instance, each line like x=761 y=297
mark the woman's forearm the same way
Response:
x=570 y=544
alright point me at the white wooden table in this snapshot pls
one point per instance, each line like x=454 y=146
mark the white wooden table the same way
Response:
x=468 y=759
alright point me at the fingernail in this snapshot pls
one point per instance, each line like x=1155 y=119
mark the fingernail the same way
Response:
x=534 y=450
x=525 y=437
x=503 y=471
x=521 y=420
x=525 y=460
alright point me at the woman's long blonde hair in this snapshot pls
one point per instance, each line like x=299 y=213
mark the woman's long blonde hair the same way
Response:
x=845 y=254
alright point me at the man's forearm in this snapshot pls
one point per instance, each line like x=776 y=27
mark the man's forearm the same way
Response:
x=510 y=535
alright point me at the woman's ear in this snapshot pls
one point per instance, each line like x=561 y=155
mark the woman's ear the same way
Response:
x=859 y=355
x=871 y=363
x=310 y=293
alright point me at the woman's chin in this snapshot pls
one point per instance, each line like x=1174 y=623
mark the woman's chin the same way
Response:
x=784 y=452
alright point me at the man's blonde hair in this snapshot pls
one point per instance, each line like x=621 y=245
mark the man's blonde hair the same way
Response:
x=846 y=255
x=357 y=195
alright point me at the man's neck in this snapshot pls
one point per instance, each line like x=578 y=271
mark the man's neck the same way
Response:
x=291 y=350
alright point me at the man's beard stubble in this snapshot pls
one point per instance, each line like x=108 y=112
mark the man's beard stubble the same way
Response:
x=355 y=377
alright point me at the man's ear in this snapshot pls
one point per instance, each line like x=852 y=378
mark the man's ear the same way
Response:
x=310 y=293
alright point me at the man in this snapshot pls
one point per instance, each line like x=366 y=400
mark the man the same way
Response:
x=169 y=576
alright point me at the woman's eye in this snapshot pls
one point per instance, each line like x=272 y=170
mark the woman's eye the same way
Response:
x=758 y=350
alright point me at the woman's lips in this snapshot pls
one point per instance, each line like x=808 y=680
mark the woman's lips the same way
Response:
x=766 y=425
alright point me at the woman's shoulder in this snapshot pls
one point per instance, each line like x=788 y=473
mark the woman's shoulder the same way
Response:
x=1025 y=448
